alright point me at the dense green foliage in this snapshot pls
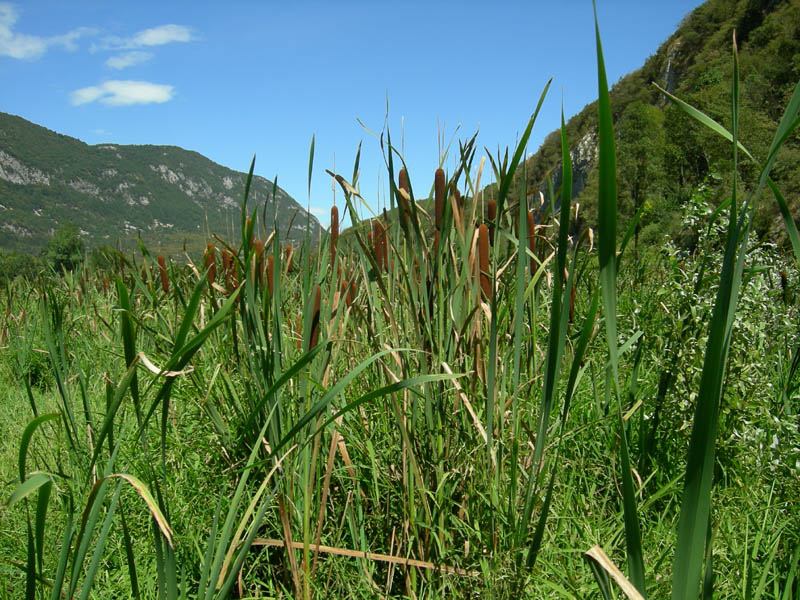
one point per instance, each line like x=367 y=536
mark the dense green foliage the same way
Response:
x=65 y=250
x=114 y=193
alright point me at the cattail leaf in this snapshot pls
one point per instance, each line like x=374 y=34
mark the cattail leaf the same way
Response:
x=27 y=487
x=151 y=503
x=695 y=512
x=607 y=256
x=99 y=546
x=311 y=161
x=27 y=434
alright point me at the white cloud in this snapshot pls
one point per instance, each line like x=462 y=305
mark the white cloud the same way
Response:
x=147 y=38
x=30 y=47
x=123 y=93
x=164 y=34
x=128 y=59
x=323 y=215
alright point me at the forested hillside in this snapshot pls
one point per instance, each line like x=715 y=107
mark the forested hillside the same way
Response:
x=663 y=156
x=166 y=195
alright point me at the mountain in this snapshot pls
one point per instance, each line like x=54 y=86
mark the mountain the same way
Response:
x=112 y=192
x=665 y=157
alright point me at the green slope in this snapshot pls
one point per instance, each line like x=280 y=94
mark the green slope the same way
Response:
x=663 y=155
x=112 y=192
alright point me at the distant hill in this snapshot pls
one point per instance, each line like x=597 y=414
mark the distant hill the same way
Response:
x=663 y=155
x=111 y=192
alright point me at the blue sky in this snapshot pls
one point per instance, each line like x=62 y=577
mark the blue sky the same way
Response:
x=230 y=80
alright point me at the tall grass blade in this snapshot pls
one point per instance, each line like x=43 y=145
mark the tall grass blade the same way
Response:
x=27 y=487
x=27 y=434
x=696 y=503
x=607 y=256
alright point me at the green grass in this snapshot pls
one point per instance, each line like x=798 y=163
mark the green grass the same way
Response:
x=219 y=441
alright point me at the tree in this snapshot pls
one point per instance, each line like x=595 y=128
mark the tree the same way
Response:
x=640 y=155
x=65 y=249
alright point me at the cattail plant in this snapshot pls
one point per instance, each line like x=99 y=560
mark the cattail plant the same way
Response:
x=380 y=247
x=491 y=217
x=259 y=261
x=438 y=188
x=334 y=231
x=315 y=319
x=289 y=258
x=403 y=198
x=247 y=228
x=349 y=290
x=162 y=271
x=227 y=261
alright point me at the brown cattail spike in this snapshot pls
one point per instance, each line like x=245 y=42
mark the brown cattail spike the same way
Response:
x=379 y=241
x=438 y=187
x=532 y=242
x=162 y=271
x=227 y=262
x=315 y=319
x=247 y=228
x=405 y=207
x=334 y=231
x=289 y=258
x=491 y=216
x=483 y=254
x=270 y=273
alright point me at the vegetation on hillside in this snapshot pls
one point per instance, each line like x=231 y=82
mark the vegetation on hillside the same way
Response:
x=170 y=197
x=662 y=157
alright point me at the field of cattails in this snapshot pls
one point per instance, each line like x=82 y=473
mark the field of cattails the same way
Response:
x=463 y=397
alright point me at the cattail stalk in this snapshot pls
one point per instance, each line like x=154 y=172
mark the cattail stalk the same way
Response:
x=402 y=201
x=379 y=241
x=491 y=217
x=334 y=232
x=315 y=319
x=162 y=271
x=259 y=261
x=270 y=273
x=289 y=258
x=439 y=187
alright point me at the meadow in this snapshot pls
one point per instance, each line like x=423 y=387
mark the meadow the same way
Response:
x=460 y=398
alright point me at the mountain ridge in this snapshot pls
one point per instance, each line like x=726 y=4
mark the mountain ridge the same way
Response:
x=115 y=193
